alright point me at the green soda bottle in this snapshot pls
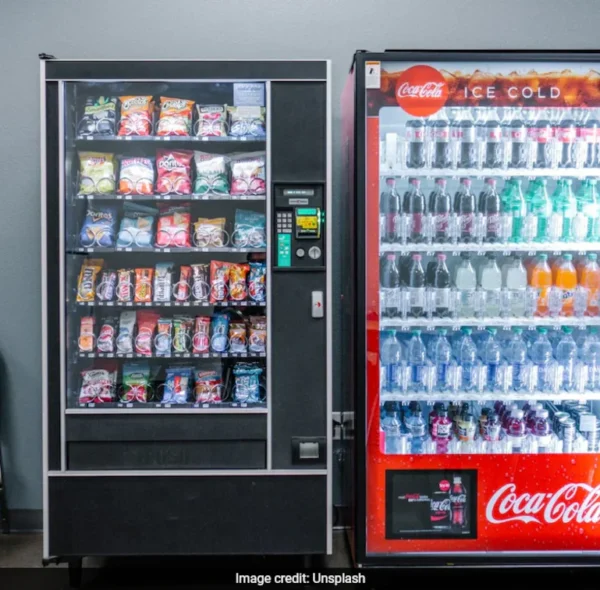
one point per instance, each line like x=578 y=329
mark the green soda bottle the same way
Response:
x=587 y=211
x=518 y=210
x=539 y=208
x=564 y=209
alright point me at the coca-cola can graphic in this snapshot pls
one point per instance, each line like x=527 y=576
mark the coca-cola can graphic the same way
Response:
x=440 y=511
x=458 y=504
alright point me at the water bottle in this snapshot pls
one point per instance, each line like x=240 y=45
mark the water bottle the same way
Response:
x=491 y=355
x=515 y=354
x=391 y=358
x=440 y=352
x=566 y=355
x=590 y=355
x=466 y=356
x=417 y=357
x=540 y=354
x=417 y=428
x=391 y=426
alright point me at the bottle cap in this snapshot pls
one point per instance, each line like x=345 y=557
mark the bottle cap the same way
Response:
x=519 y=414
x=518 y=330
x=567 y=330
x=492 y=331
x=416 y=332
x=390 y=181
x=441 y=181
x=468 y=331
x=441 y=257
x=542 y=330
x=592 y=256
x=457 y=479
x=465 y=181
x=543 y=257
x=391 y=257
x=443 y=413
x=493 y=418
x=442 y=331
x=412 y=179
x=568 y=257
x=542 y=414
x=416 y=257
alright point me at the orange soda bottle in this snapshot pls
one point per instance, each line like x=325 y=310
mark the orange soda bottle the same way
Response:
x=590 y=279
x=541 y=279
x=566 y=281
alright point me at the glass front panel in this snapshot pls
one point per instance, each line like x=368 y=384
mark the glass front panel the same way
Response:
x=165 y=234
x=483 y=229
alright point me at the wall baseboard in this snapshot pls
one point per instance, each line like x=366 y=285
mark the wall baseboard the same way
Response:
x=25 y=521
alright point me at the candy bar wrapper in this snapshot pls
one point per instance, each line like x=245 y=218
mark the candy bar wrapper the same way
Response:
x=200 y=282
x=201 y=340
x=237 y=338
x=209 y=385
x=182 y=288
x=97 y=386
x=126 y=327
x=146 y=322
x=163 y=279
x=86 y=284
x=143 y=285
x=107 y=286
x=219 y=281
x=164 y=337
x=257 y=340
x=177 y=385
x=125 y=288
x=86 y=334
x=107 y=336
x=182 y=329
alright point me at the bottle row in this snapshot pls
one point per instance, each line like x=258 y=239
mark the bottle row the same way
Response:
x=168 y=226
x=490 y=361
x=501 y=428
x=141 y=383
x=491 y=216
x=497 y=138
x=216 y=282
x=147 y=333
x=514 y=289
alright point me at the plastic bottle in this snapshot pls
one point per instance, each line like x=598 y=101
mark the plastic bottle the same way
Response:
x=391 y=426
x=465 y=280
x=566 y=355
x=516 y=207
x=566 y=280
x=417 y=356
x=417 y=428
x=493 y=145
x=515 y=431
x=564 y=209
x=590 y=279
x=465 y=207
x=440 y=353
x=515 y=353
x=441 y=140
x=515 y=280
x=541 y=279
x=414 y=205
x=437 y=406
x=441 y=287
x=416 y=287
x=489 y=207
x=530 y=415
x=490 y=281
x=466 y=356
x=440 y=207
x=518 y=141
x=540 y=354
x=491 y=355
x=391 y=358
x=466 y=131
x=542 y=431
x=506 y=416
x=390 y=287
x=539 y=206
x=586 y=221
x=389 y=209
x=441 y=431
x=590 y=355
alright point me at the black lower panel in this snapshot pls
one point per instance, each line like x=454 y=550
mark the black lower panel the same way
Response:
x=216 y=454
x=189 y=515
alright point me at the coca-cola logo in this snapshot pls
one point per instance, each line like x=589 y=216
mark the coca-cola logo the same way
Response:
x=421 y=91
x=577 y=502
x=458 y=498
x=444 y=484
x=440 y=505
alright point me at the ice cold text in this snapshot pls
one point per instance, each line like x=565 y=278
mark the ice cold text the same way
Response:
x=512 y=92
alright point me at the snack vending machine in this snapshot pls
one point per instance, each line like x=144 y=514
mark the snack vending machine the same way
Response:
x=187 y=296
x=476 y=222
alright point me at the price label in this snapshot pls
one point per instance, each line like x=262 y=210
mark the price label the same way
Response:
x=205 y=406
x=204 y=139
x=91 y=355
x=186 y=304
x=89 y=138
x=166 y=138
x=90 y=249
x=581 y=253
x=531 y=328
x=429 y=253
x=129 y=405
x=455 y=253
x=455 y=328
x=506 y=253
x=90 y=303
x=480 y=252
x=404 y=253
x=110 y=303
x=128 y=250
x=166 y=249
x=128 y=197
x=91 y=197
x=128 y=304
x=556 y=253
x=430 y=328
x=128 y=138
x=167 y=197
x=531 y=253
x=404 y=329
x=506 y=328
x=243 y=405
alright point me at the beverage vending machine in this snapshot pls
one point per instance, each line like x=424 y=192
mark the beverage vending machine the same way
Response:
x=186 y=307
x=474 y=286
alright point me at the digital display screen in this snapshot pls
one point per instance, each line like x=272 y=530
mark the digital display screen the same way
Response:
x=308 y=223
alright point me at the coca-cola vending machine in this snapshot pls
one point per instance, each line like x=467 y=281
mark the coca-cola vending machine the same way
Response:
x=472 y=291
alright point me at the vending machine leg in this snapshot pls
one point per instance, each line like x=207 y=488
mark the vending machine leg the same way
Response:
x=75 y=572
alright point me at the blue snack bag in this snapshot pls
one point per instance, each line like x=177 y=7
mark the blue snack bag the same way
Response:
x=137 y=226
x=99 y=226
x=246 y=386
x=249 y=230
x=219 y=332
x=178 y=384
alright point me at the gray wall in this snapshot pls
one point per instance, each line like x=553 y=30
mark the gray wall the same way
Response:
x=208 y=29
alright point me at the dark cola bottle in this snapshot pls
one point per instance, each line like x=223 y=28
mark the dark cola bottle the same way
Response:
x=415 y=138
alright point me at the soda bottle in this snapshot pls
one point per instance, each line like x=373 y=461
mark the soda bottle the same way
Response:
x=492 y=428
x=566 y=355
x=462 y=411
x=441 y=430
x=490 y=282
x=465 y=280
x=415 y=137
x=515 y=354
x=590 y=134
x=491 y=355
x=590 y=355
x=437 y=406
x=566 y=280
x=518 y=142
x=489 y=206
x=389 y=210
x=539 y=206
x=466 y=356
x=458 y=504
x=506 y=416
x=414 y=205
x=515 y=431
x=392 y=427
x=530 y=415
x=440 y=207
x=391 y=359
x=516 y=281
x=590 y=279
x=483 y=193
x=417 y=356
x=466 y=143
x=441 y=140
x=440 y=352
x=416 y=287
x=517 y=208
x=493 y=144
x=542 y=431
x=417 y=428
x=465 y=207
x=541 y=279
x=564 y=209
x=441 y=286
x=390 y=287
x=566 y=134
x=543 y=134
x=588 y=209
x=540 y=354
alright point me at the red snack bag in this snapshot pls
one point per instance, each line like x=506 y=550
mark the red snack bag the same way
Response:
x=182 y=290
x=175 y=116
x=174 y=172
x=201 y=339
x=136 y=115
x=238 y=290
x=219 y=281
x=173 y=228
x=146 y=323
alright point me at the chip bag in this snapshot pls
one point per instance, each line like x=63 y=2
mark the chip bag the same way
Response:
x=256 y=282
x=136 y=115
x=238 y=288
x=99 y=116
x=247 y=122
x=212 y=120
x=86 y=334
x=212 y=176
x=99 y=226
x=246 y=387
x=96 y=173
x=248 y=174
x=164 y=337
x=201 y=339
x=173 y=229
x=210 y=232
x=86 y=284
x=219 y=281
x=126 y=328
x=174 y=172
x=200 y=281
x=219 y=327
x=175 y=116
x=257 y=341
x=237 y=338
x=107 y=335
x=136 y=383
x=146 y=323
x=136 y=176
x=182 y=333
x=208 y=385
x=249 y=230
x=178 y=384
x=97 y=386
x=137 y=226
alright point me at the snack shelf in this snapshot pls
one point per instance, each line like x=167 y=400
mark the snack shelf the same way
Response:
x=118 y=197
x=404 y=325
x=159 y=408
x=169 y=138
x=174 y=355
x=479 y=248
x=431 y=398
x=489 y=172
x=101 y=250
x=171 y=304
